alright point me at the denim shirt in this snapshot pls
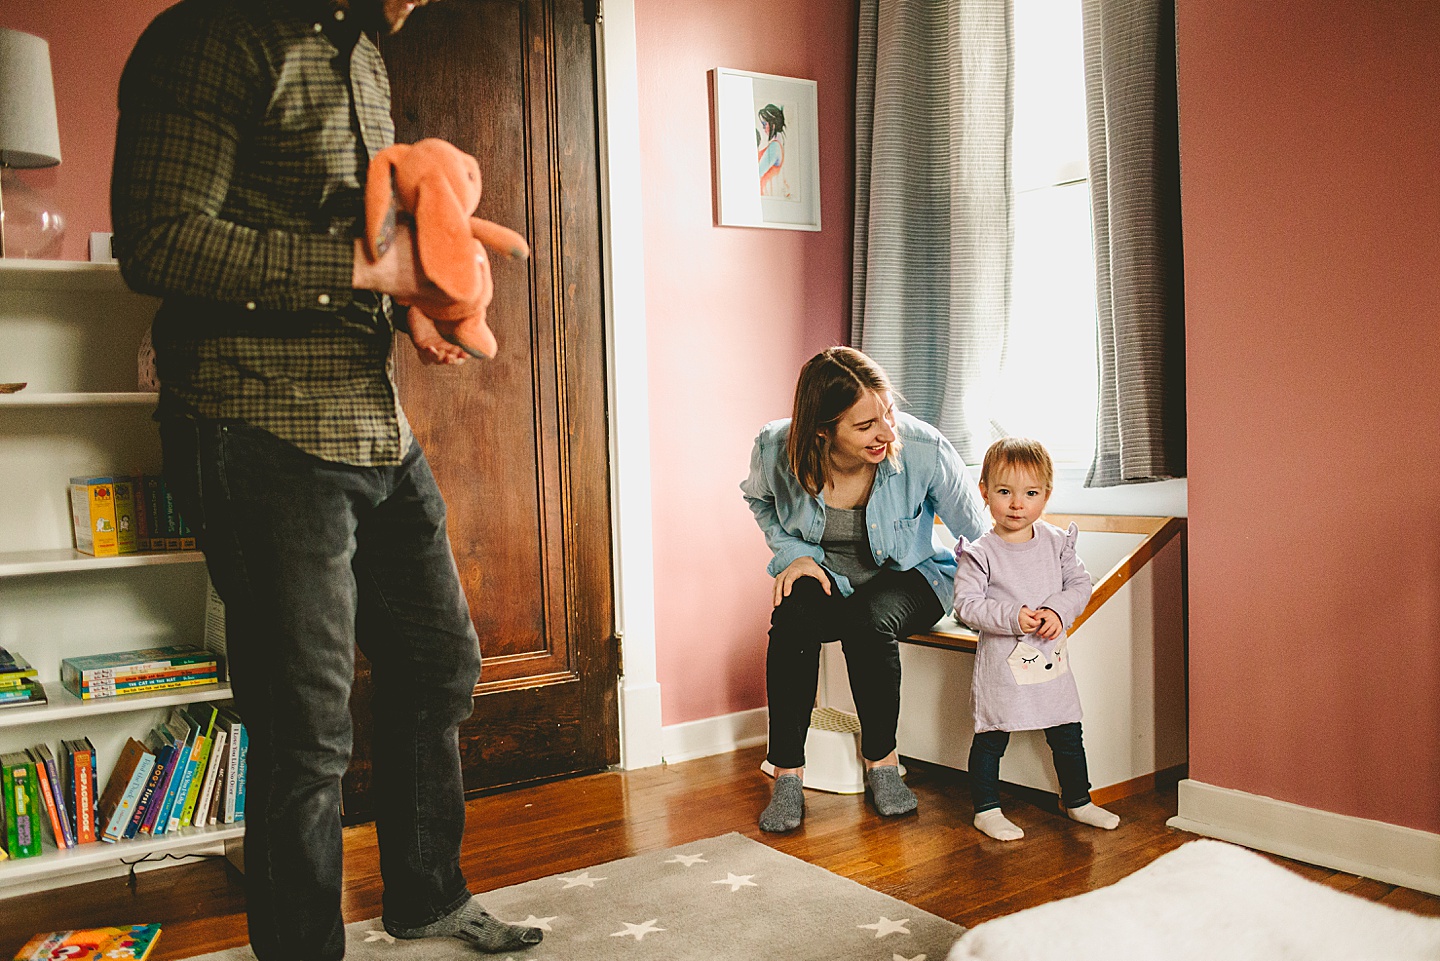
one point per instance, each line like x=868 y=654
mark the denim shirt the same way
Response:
x=929 y=480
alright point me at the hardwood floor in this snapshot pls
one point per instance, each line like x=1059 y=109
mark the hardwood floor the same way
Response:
x=935 y=860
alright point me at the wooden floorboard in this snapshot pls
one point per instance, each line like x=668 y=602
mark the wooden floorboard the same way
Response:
x=935 y=859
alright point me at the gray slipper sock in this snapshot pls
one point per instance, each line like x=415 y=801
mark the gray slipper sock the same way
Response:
x=891 y=795
x=787 y=805
x=472 y=923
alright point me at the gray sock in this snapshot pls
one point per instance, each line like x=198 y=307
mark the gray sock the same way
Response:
x=787 y=805
x=472 y=923
x=891 y=795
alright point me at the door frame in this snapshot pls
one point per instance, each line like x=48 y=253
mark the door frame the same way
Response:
x=629 y=383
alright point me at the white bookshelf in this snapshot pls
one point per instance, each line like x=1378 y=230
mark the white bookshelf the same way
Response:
x=71 y=333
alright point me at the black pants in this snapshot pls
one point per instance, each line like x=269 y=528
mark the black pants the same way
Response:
x=1067 y=747
x=869 y=624
x=311 y=558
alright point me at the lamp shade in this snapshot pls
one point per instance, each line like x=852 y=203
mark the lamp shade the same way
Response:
x=29 y=134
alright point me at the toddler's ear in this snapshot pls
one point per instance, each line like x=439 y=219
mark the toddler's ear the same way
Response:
x=381 y=206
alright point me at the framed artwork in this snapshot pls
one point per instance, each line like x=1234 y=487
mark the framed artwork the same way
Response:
x=766 y=150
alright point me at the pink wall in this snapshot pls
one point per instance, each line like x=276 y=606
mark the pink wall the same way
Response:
x=89 y=42
x=732 y=314
x=1312 y=234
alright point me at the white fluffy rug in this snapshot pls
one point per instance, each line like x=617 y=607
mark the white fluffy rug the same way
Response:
x=1206 y=901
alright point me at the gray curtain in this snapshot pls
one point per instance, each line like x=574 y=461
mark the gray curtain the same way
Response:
x=1131 y=113
x=933 y=230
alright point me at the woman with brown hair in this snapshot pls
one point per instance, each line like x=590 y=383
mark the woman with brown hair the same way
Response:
x=847 y=491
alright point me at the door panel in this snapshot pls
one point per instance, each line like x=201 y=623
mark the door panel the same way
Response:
x=519 y=444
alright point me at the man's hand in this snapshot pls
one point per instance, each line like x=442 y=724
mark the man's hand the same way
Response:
x=397 y=272
x=799 y=567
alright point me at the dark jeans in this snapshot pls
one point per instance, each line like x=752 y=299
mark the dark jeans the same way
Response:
x=1067 y=747
x=869 y=624
x=310 y=558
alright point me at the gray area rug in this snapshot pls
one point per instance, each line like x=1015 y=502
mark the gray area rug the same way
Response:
x=714 y=900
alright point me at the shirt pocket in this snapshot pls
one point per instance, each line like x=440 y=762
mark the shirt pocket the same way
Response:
x=1029 y=665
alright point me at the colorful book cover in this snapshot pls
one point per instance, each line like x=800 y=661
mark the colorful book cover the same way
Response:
x=134 y=675
x=172 y=520
x=132 y=942
x=147 y=658
x=124 y=772
x=240 y=783
x=195 y=742
x=207 y=788
x=48 y=803
x=157 y=744
x=21 y=791
x=119 y=821
x=43 y=755
x=204 y=717
x=192 y=680
x=92 y=506
x=13 y=666
x=79 y=776
x=180 y=729
x=235 y=731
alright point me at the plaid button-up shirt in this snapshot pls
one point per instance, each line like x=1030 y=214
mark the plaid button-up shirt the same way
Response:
x=245 y=131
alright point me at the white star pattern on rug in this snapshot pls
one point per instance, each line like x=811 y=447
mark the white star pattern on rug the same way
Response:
x=375 y=935
x=638 y=930
x=689 y=860
x=533 y=922
x=581 y=880
x=737 y=881
x=885 y=926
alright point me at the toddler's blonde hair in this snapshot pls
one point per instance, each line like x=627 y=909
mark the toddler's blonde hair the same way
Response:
x=1021 y=452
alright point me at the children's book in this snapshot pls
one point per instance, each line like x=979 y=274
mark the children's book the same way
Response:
x=122 y=793
x=178 y=726
x=203 y=716
x=158 y=743
x=20 y=790
x=77 y=756
x=56 y=788
x=212 y=771
x=133 y=942
x=233 y=727
x=48 y=803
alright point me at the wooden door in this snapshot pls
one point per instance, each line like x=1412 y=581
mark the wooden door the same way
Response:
x=519 y=444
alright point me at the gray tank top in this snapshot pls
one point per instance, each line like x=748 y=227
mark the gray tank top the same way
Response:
x=847 y=546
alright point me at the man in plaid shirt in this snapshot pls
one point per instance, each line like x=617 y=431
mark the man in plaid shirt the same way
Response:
x=246 y=127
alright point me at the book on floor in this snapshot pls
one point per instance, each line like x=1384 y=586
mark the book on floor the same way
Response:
x=131 y=942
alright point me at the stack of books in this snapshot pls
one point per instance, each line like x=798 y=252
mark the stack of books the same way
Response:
x=117 y=514
x=18 y=686
x=139 y=672
x=188 y=772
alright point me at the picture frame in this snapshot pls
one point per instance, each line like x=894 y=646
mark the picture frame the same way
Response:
x=766 y=146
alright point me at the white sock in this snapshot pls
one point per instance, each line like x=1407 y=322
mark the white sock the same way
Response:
x=1095 y=816
x=999 y=827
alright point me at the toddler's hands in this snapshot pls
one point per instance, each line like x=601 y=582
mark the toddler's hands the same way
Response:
x=1050 y=625
x=1029 y=621
x=799 y=567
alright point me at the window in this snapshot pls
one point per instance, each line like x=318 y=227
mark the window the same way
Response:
x=1047 y=384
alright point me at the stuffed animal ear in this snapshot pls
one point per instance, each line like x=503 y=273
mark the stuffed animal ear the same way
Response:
x=381 y=208
x=442 y=231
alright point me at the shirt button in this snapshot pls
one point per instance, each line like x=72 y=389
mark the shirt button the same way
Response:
x=873 y=526
x=249 y=305
x=324 y=299
x=339 y=14
x=319 y=27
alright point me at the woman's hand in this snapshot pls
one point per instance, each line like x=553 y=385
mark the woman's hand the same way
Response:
x=799 y=567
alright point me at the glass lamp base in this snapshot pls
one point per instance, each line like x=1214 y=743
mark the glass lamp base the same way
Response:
x=32 y=227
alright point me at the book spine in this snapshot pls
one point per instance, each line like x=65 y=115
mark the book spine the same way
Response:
x=200 y=762
x=115 y=827
x=83 y=792
x=142 y=513
x=232 y=785
x=177 y=812
x=156 y=810
x=212 y=767
x=57 y=787
x=240 y=785
x=50 y=803
x=172 y=519
x=26 y=803
x=93 y=811
x=8 y=801
x=131 y=675
x=189 y=680
x=155 y=508
x=124 y=501
x=147 y=793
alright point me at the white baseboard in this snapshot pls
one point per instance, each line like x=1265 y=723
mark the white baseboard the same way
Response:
x=714 y=735
x=1371 y=849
